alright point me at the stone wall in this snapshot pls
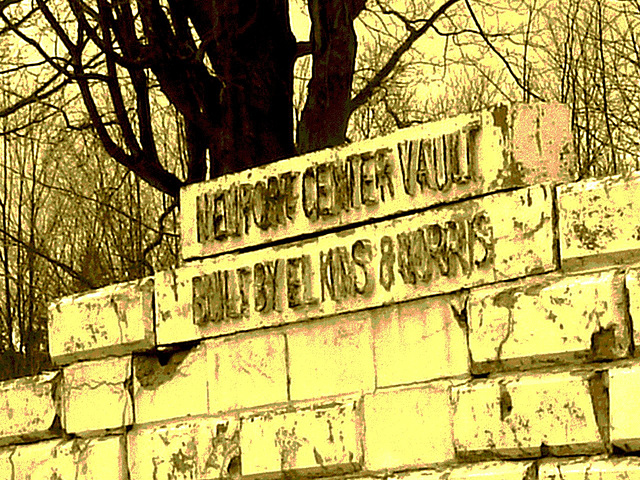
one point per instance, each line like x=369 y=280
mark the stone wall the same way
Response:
x=442 y=303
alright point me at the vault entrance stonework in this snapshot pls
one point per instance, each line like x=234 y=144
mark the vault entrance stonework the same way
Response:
x=445 y=302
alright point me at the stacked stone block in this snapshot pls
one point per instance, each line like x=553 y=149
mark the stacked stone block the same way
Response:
x=442 y=303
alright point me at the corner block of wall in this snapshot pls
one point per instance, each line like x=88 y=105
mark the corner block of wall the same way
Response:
x=112 y=321
x=319 y=440
x=531 y=415
x=31 y=408
x=548 y=319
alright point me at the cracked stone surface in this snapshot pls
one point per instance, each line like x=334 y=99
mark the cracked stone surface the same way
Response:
x=498 y=237
x=526 y=416
x=78 y=459
x=408 y=428
x=246 y=371
x=331 y=357
x=112 y=321
x=29 y=408
x=632 y=284
x=480 y=471
x=591 y=469
x=321 y=440
x=549 y=318
x=95 y=396
x=624 y=390
x=599 y=221
x=202 y=448
x=171 y=384
x=507 y=146
x=420 y=340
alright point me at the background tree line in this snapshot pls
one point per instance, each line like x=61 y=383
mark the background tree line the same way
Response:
x=107 y=107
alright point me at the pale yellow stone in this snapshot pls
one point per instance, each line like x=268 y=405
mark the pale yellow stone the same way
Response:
x=549 y=318
x=632 y=284
x=598 y=221
x=78 y=459
x=515 y=416
x=331 y=357
x=484 y=470
x=408 y=428
x=172 y=387
x=113 y=321
x=498 y=237
x=420 y=340
x=624 y=409
x=29 y=407
x=195 y=449
x=7 y=471
x=95 y=396
x=501 y=148
x=246 y=371
x=591 y=469
x=321 y=440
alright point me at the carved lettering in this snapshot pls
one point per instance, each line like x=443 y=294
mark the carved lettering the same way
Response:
x=384 y=172
x=364 y=276
x=387 y=261
x=309 y=194
x=368 y=180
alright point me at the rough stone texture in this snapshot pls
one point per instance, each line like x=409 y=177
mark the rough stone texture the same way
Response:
x=95 y=395
x=547 y=319
x=484 y=470
x=420 y=340
x=331 y=357
x=531 y=415
x=246 y=371
x=599 y=222
x=591 y=469
x=170 y=384
x=29 y=408
x=632 y=284
x=195 y=449
x=321 y=440
x=408 y=428
x=115 y=320
x=497 y=149
x=498 y=237
x=79 y=459
x=624 y=390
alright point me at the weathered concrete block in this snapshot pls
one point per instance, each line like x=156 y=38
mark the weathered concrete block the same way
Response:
x=547 y=319
x=498 y=237
x=591 y=469
x=79 y=459
x=331 y=357
x=170 y=384
x=632 y=284
x=113 y=321
x=484 y=470
x=246 y=371
x=321 y=440
x=30 y=408
x=526 y=416
x=624 y=389
x=598 y=222
x=408 y=428
x=420 y=340
x=196 y=449
x=411 y=169
x=95 y=395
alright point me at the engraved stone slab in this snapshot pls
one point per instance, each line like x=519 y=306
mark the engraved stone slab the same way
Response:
x=411 y=169
x=419 y=340
x=591 y=469
x=170 y=384
x=197 y=449
x=521 y=416
x=30 y=408
x=406 y=428
x=498 y=237
x=320 y=440
x=624 y=387
x=599 y=222
x=549 y=318
x=111 y=321
x=95 y=395
x=78 y=459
